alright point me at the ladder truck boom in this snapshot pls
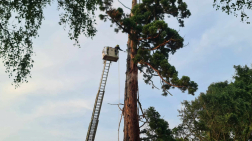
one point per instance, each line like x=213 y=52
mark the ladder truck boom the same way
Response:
x=108 y=54
x=98 y=103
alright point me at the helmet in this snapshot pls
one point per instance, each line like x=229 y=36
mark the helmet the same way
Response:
x=117 y=45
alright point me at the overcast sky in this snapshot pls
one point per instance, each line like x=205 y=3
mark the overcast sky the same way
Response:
x=56 y=104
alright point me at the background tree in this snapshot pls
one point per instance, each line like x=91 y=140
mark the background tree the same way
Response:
x=232 y=6
x=157 y=128
x=223 y=113
x=16 y=38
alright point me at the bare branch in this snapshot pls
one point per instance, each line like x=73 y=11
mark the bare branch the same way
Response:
x=186 y=44
x=141 y=108
x=168 y=92
x=116 y=104
x=119 y=125
x=124 y=5
x=153 y=85
x=143 y=124
x=120 y=108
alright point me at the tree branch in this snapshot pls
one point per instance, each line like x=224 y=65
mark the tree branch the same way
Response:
x=153 y=85
x=160 y=75
x=128 y=32
x=150 y=37
x=150 y=80
x=7 y=33
x=117 y=105
x=124 y=5
x=168 y=92
x=162 y=44
x=119 y=125
x=143 y=124
x=142 y=111
x=141 y=108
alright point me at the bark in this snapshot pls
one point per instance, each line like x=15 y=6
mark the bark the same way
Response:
x=131 y=121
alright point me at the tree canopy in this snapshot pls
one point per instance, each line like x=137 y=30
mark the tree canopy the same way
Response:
x=154 y=38
x=224 y=112
x=16 y=39
x=233 y=6
x=157 y=128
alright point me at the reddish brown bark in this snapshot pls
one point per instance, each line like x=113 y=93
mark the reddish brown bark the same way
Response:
x=131 y=121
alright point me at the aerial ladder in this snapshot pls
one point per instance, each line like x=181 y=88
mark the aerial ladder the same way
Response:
x=108 y=54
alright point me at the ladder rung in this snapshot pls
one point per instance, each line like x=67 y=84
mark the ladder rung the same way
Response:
x=98 y=102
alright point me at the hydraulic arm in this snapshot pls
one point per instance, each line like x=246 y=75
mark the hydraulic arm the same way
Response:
x=98 y=103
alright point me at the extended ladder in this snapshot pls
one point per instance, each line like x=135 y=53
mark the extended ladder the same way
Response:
x=98 y=103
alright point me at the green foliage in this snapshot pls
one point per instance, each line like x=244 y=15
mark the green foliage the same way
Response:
x=157 y=128
x=232 y=6
x=224 y=109
x=155 y=40
x=16 y=39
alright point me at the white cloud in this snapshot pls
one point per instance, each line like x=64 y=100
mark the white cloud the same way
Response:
x=14 y=122
x=62 y=108
x=8 y=92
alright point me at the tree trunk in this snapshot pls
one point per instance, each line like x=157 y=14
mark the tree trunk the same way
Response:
x=131 y=123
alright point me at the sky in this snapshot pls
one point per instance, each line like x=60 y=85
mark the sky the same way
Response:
x=56 y=104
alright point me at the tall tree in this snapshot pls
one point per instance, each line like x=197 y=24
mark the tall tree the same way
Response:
x=223 y=113
x=131 y=121
x=233 y=6
x=150 y=42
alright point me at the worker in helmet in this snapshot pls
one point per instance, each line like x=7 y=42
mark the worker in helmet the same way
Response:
x=116 y=49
